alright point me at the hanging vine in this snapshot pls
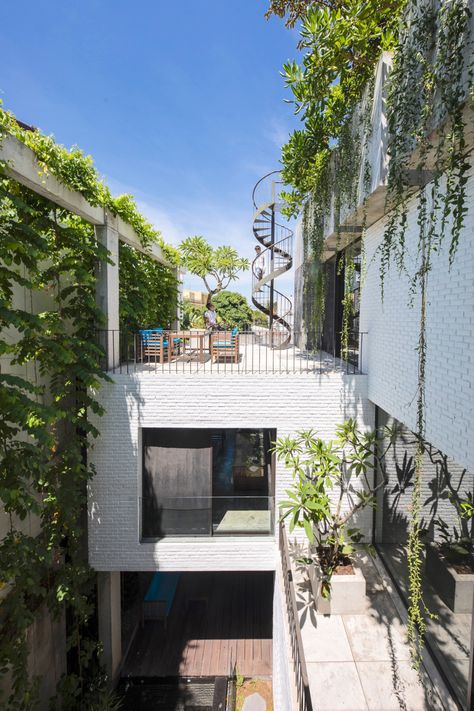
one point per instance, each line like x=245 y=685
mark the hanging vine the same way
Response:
x=430 y=87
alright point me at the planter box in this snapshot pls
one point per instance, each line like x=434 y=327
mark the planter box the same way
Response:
x=455 y=589
x=347 y=592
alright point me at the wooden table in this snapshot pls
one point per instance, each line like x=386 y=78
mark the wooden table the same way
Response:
x=200 y=335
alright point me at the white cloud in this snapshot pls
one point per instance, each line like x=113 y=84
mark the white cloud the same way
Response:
x=277 y=131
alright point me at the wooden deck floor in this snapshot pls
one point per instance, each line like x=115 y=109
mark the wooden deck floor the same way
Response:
x=218 y=620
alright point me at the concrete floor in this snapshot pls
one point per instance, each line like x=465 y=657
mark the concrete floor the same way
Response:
x=361 y=662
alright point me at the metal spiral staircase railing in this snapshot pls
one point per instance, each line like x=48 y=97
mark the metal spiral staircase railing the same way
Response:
x=277 y=243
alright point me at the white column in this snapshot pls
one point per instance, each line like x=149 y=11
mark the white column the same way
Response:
x=107 y=288
x=110 y=622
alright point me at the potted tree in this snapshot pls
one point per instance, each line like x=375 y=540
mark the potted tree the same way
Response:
x=332 y=483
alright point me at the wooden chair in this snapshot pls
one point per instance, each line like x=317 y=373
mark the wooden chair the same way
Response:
x=225 y=344
x=155 y=345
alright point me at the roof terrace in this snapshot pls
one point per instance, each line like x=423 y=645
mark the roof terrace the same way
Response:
x=258 y=351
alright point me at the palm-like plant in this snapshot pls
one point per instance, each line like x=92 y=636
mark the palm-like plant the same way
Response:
x=333 y=481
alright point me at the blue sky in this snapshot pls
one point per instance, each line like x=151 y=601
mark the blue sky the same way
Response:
x=179 y=103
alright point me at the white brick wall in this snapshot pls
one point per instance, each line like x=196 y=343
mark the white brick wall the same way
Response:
x=393 y=327
x=285 y=402
x=283 y=675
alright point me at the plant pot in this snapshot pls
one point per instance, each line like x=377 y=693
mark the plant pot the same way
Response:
x=455 y=589
x=347 y=592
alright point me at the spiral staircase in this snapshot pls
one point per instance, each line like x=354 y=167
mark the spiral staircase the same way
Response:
x=276 y=241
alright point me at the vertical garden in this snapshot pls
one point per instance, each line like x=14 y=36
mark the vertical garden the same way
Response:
x=428 y=104
x=50 y=369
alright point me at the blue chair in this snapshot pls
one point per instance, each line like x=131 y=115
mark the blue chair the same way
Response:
x=225 y=345
x=155 y=343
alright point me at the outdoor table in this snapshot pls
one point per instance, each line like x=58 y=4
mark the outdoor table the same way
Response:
x=200 y=335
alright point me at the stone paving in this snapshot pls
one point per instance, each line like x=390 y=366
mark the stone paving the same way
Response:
x=361 y=662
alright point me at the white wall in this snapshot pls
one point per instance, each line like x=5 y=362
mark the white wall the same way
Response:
x=284 y=402
x=393 y=327
x=284 y=689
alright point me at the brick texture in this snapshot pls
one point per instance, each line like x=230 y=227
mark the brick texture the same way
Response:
x=393 y=327
x=285 y=402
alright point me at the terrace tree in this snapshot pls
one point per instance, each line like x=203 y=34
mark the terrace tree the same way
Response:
x=233 y=310
x=216 y=267
x=333 y=481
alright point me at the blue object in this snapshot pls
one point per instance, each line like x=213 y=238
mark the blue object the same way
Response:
x=235 y=331
x=144 y=332
x=163 y=588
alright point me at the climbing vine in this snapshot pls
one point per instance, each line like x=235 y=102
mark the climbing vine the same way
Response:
x=49 y=372
x=148 y=292
x=429 y=91
x=338 y=192
x=428 y=88
x=77 y=172
x=50 y=364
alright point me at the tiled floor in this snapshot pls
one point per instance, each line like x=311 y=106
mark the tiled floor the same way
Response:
x=361 y=662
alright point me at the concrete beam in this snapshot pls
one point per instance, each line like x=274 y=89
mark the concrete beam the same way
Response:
x=350 y=229
x=24 y=167
x=128 y=235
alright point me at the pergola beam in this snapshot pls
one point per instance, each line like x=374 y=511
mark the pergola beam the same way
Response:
x=23 y=166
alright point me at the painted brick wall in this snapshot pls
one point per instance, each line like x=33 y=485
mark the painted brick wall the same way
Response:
x=283 y=675
x=286 y=402
x=394 y=503
x=393 y=327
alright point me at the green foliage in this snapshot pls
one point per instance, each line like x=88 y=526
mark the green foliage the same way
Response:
x=44 y=423
x=125 y=207
x=148 y=292
x=77 y=172
x=258 y=318
x=50 y=372
x=192 y=315
x=221 y=264
x=430 y=85
x=292 y=10
x=320 y=468
x=233 y=310
x=341 y=44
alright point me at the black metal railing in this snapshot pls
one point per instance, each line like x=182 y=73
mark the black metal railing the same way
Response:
x=297 y=652
x=255 y=351
x=206 y=516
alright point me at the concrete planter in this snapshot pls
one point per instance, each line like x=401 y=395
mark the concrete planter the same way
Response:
x=455 y=589
x=347 y=592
